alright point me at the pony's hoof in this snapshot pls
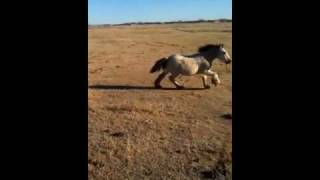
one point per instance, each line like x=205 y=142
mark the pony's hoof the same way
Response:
x=207 y=87
x=180 y=87
x=157 y=86
x=215 y=83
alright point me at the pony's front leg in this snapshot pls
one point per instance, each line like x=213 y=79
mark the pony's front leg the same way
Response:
x=172 y=78
x=204 y=81
x=215 y=78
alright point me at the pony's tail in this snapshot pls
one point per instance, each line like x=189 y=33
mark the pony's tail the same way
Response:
x=160 y=64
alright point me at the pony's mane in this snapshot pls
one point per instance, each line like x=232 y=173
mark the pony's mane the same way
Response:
x=209 y=46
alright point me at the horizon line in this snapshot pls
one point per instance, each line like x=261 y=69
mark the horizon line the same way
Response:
x=136 y=22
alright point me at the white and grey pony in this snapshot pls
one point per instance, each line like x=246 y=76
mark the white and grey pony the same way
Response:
x=187 y=65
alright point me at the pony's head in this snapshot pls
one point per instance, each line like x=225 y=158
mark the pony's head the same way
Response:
x=218 y=50
x=223 y=55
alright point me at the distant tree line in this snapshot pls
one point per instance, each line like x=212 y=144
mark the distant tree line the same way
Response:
x=169 y=22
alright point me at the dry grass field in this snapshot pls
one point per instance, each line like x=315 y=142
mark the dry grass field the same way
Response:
x=138 y=132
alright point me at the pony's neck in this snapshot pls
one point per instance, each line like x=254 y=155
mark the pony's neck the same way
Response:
x=209 y=56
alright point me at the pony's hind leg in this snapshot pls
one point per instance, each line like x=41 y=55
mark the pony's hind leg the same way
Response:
x=204 y=81
x=159 y=79
x=172 y=78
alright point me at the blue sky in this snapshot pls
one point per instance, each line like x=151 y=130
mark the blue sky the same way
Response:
x=120 y=11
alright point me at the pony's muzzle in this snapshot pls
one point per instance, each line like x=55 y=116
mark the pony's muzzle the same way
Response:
x=228 y=61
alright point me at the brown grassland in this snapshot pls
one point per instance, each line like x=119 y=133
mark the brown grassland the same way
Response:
x=137 y=132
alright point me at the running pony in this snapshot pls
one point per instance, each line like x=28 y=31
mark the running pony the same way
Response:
x=188 y=65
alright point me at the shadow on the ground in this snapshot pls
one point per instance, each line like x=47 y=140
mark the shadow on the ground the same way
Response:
x=128 y=87
x=227 y=116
